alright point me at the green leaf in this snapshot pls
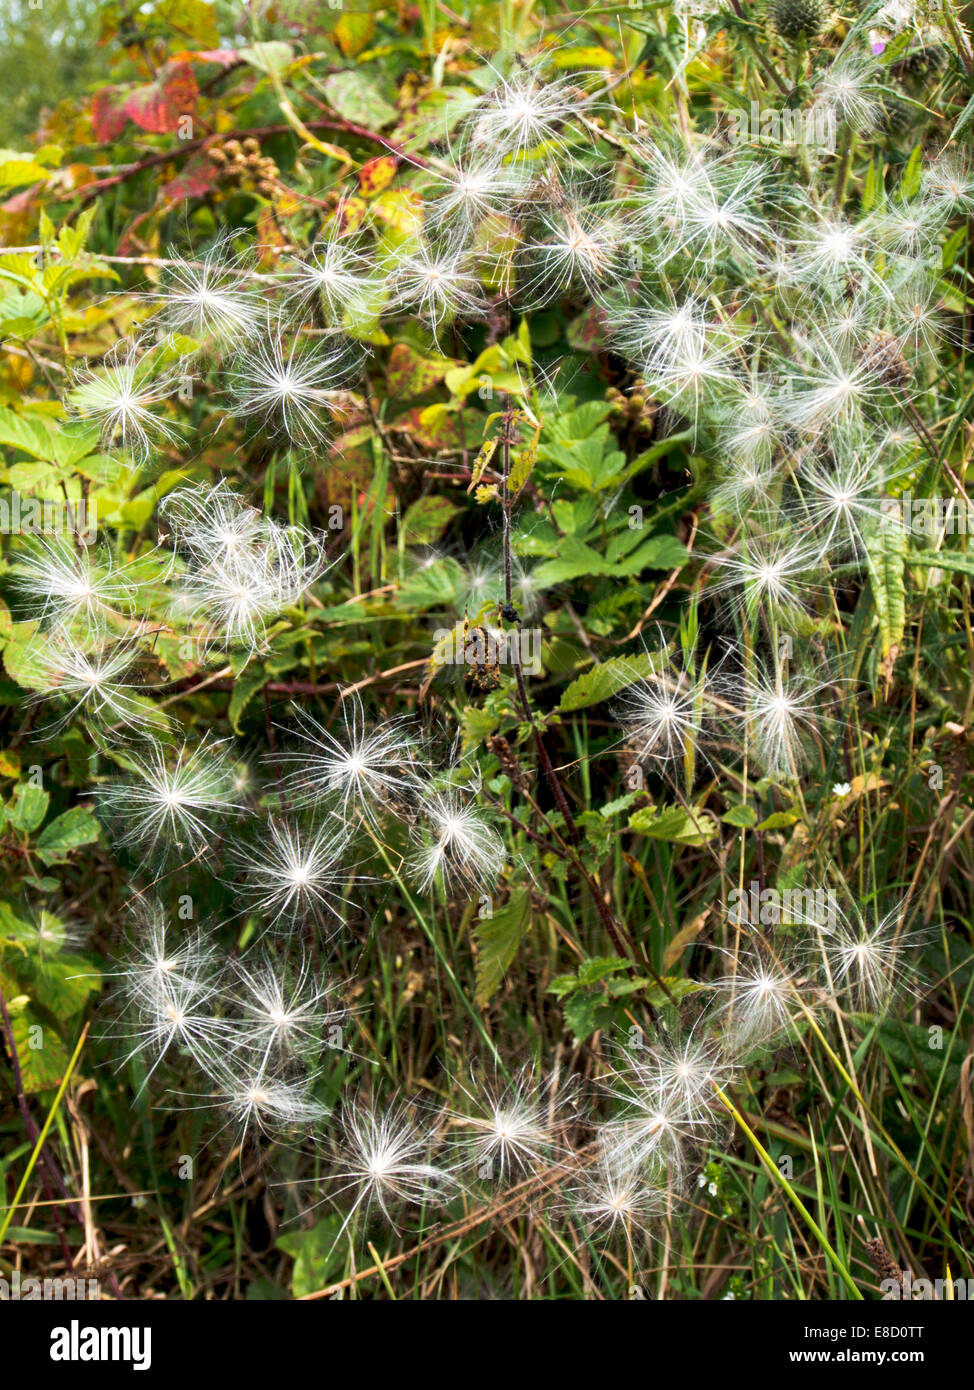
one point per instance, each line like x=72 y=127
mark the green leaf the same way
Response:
x=63 y=984
x=674 y=824
x=498 y=938
x=245 y=687
x=604 y=681
x=272 y=58
x=955 y=560
x=355 y=98
x=29 y=806
x=779 y=820
x=66 y=832
x=885 y=558
x=31 y=434
x=317 y=1254
x=427 y=519
x=742 y=815
x=41 y=1053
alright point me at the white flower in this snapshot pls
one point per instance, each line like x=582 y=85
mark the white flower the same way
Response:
x=367 y=768
x=212 y=522
x=841 y=789
x=949 y=182
x=663 y=715
x=295 y=873
x=335 y=274
x=474 y=187
x=615 y=1198
x=123 y=395
x=436 y=285
x=176 y=802
x=460 y=842
x=575 y=248
x=61 y=583
x=771 y=576
x=386 y=1161
x=521 y=113
x=865 y=962
x=669 y=1103
x=779 y=714
x=761 y=999
x=285 y=387
x=171 y=994
x=97 y=683
x=848 y=93
x=283 y=1012
x=209 y=298
x=510 y=1127
x=258 y=1101
x=251 y=580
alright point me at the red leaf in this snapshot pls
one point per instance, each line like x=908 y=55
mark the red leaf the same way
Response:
x=226 y=57
x=158 y=107
x=196 y=180
x=108 y=115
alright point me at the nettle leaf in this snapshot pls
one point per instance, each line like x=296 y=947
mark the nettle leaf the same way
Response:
x=658 y=553
x=29 y=806
x=410 y=373
x=604 y=681
x=245 y=687
x=42 y=1055
x=63 y=984
x=440 y=585
x=68 y=831
x=588 y=1010
x=576 y=559
x=675 y=825
x=498 y=938
x=353 y=96
x=427 y=519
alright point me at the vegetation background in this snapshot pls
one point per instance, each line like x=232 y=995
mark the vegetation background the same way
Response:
x=109 y=114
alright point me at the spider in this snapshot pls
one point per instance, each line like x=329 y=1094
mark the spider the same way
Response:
x=481 y=656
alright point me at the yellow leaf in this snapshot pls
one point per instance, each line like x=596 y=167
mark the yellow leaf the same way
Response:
x=483 y=458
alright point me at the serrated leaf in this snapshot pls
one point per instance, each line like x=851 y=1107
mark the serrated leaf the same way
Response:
x=66 y=832
x=42 y=1055
x=427 y=519
x=675 y=825
x=606 y=680
x=498 y=938
x=29 y=806
x=245 y=687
